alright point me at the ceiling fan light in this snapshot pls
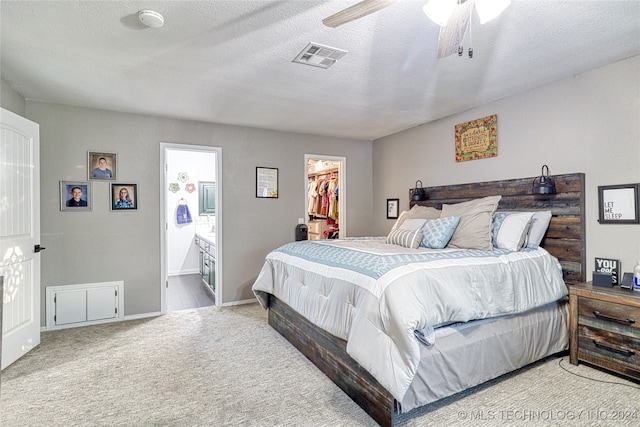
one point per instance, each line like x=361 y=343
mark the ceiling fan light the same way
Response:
x=490 y=9
x=439 y=11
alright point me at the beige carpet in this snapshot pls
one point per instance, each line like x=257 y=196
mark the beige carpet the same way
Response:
x=227 y=367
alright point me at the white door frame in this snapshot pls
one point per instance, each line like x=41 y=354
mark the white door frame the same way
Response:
x=164 y=185
x=19 y=259
x=342 y=184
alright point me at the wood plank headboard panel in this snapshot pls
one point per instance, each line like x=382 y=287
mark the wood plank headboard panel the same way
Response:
x=565 y=238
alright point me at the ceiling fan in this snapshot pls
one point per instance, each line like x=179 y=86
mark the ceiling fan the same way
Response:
x=453 y=16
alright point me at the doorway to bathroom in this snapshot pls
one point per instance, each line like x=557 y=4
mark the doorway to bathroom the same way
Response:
x=191 y=203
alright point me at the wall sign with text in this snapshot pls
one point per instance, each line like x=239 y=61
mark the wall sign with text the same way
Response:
x=477 y=139
x=619 y=204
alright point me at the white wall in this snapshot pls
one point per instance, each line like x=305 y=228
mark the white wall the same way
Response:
x=589 y=123
x=10 y=99
x=182 y=255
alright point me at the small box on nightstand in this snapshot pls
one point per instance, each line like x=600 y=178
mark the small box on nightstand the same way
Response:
x=602 y=279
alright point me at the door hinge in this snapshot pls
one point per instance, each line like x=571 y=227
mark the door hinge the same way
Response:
x=116 y=292
x=54 y=317
x=116 y=310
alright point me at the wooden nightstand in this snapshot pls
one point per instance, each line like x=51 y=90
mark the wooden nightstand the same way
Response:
x=604 y=328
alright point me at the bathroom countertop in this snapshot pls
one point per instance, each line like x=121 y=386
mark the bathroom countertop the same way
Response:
x=208 y=237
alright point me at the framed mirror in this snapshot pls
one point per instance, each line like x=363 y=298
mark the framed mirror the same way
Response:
x=206 y=198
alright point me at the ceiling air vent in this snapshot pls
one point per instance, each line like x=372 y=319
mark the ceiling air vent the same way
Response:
x=318 y=55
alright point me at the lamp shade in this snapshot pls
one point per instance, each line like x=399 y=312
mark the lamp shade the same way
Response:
x=544 y=184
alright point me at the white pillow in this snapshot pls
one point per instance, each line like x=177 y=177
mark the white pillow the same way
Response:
x=513 y=231
x=407 y=238
x=399 y=220
x=412 y=224
x=539 y=224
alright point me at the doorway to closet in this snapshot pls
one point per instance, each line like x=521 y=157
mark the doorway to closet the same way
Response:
x=325 y=196
x=191 y=216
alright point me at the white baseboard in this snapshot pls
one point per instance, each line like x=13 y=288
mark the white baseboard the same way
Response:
x=143 y=315
x=183 y=272
x=246 y=301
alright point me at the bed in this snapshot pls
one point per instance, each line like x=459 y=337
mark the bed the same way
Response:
x=364 y=311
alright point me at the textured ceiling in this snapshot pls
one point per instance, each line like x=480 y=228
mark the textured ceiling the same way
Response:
x=230 y=61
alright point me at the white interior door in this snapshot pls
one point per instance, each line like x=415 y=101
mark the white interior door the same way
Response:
x=19 y=235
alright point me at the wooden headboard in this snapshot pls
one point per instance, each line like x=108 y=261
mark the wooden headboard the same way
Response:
x=565 y=238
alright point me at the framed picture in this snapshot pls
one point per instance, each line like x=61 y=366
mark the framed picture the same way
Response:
x=477 y=139
x=101 y=165
x=619 y=204
x=124 y=197
x=75 y=196
x=267 y=183
x=392 y=208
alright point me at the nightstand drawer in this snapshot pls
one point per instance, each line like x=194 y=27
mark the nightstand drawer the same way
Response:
x=608 y=313
x=601 y=343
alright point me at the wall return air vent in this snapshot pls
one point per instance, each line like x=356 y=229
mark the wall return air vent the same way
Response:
x=318 y=55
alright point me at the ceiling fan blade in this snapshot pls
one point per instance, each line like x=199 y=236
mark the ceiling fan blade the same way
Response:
x=452 y=34
x=358 y=10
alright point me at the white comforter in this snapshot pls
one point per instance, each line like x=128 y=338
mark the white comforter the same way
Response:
x=376 y=295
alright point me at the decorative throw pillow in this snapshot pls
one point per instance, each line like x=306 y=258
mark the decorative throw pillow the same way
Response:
x=407 y=238
x=436 y=233
x=474 y=229
x=498 y=219
x=399 y=220
x=422 y=212
x=412 y=224
x=539 y=224
x=512 y=231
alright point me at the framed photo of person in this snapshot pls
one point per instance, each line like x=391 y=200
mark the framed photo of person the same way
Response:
x=124 y=197
x=75 y=196
x=101 y=165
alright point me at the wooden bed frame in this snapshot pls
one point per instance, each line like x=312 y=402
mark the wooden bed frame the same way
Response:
x=565 y=239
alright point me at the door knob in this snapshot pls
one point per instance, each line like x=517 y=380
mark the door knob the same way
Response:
x=38 y=248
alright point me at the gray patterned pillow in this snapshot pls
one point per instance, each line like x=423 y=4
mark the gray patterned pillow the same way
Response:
x=436 y=233
x=407 y=238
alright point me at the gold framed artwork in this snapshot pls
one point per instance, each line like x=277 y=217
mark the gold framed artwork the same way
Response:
x=477 y=139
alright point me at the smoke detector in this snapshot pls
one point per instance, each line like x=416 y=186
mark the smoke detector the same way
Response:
x=151 y=19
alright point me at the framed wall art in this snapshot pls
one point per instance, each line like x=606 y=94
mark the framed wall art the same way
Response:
x=101 y=165
x=75 y=196
x=124 y=197
x=477 y=139
x=393 y=208
x=618 y=204
x=267 y=183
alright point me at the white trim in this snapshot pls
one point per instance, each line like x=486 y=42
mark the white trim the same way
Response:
x=243 y=302
x=182 y=273
x=342 y=183
x=164 y=183
x=143 y=315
